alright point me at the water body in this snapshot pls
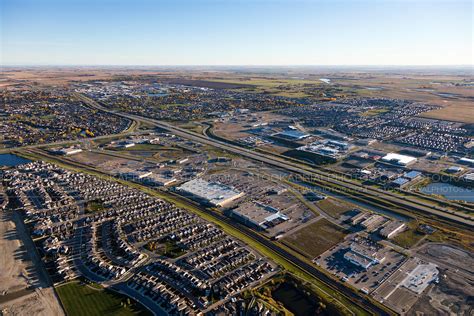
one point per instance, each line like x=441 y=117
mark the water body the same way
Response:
x=11 y=160
x=449 y=191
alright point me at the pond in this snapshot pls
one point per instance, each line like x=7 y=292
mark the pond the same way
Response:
x=295 y=301
x=449 y=191
x=11 y=160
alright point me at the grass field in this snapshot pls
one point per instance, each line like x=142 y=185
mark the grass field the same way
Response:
x=143 y=147
x=335 y=208
x=93 y=206
x=459 y=112
x=409 y=237
x=315 y=239
x=79 y=299
x=374 y=112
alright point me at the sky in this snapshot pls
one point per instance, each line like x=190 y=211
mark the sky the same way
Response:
x=232 y=32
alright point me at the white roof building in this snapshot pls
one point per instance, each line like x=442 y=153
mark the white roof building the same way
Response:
x=213 y=192
x=69 y=151
x=402 y=160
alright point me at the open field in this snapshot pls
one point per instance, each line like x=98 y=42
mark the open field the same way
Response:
x=409 y=237
x=459 y=112
x=314 y=239
x=334 y=208
x=80 y=299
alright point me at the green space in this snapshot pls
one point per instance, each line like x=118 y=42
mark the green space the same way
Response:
x=374 y=112
x=408 y=238
x=94 y=206
x=316 y=238
x=81 y=299
x=335 y=208
x=291 y=296
x=169 y=248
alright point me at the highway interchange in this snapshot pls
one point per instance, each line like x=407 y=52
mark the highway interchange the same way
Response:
x=415 y=206
x=372 y=196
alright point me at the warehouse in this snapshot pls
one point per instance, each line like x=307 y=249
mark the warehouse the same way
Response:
x=214 y=193
x=398 y=159
x=391 y=229
x=69 y=151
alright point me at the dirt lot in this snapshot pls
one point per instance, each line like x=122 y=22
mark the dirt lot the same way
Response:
x=454 y=295
x=17 y=273
x=314 y=239
x=13 y=276
x=42 y=302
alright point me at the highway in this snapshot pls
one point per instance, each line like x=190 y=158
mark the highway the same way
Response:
x=316 y=176
x=358 y=298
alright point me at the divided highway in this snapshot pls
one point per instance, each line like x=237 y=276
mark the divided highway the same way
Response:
x=314 y=175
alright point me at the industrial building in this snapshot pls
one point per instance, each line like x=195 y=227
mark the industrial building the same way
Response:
x=69 y=151
x=258 y=215
x=392 y=229
x=402 y=160
x=373 y=221
x=213 y=193
x=364 y=255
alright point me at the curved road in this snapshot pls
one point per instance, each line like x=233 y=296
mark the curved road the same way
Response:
x=308 y=173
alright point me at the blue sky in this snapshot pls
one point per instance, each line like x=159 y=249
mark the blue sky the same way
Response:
x=246 y=32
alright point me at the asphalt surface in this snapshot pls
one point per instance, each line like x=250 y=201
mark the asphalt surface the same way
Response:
x=309 y=173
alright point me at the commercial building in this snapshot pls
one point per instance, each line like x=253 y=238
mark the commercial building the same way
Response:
x=398 y=159
x=214 y=193
x=364 y=255
x=292 y=135
x=331 y=149
x=258 y=215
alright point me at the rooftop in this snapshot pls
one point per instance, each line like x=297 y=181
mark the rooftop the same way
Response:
x=214 y=192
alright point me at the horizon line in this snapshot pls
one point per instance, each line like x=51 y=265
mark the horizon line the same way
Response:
x=237 y=65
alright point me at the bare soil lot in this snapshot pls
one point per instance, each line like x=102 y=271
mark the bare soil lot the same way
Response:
x=454 y=295
x=17 y=273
